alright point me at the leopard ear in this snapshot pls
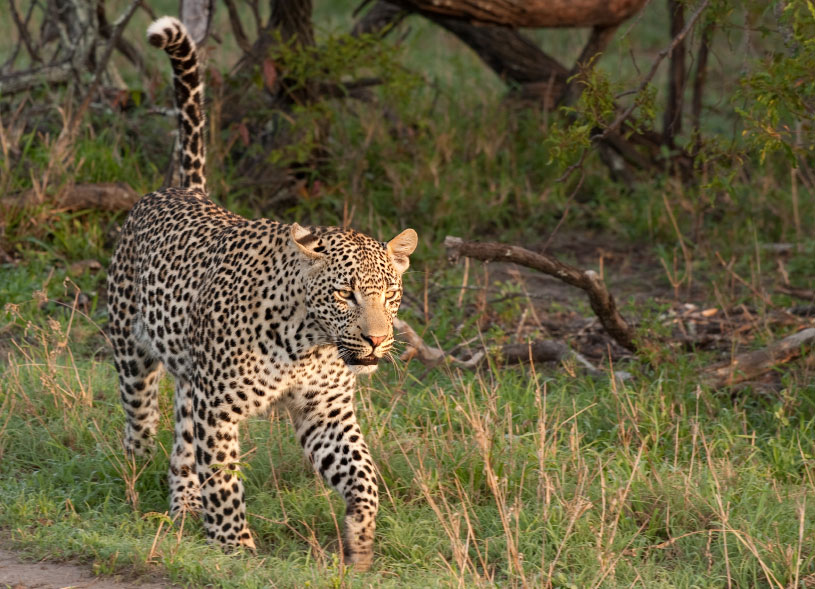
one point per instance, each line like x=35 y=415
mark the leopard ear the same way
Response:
x=306 y=241
x=400 y=247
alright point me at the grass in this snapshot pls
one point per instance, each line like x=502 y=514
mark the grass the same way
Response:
x=510 y=476
x=535 y=476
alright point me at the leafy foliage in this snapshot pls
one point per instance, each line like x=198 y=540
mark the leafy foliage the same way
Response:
x=780 y=94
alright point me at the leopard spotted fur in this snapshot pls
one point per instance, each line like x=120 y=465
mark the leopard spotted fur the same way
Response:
x=247 y=315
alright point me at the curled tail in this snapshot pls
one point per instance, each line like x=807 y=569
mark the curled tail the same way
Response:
x=169 y=33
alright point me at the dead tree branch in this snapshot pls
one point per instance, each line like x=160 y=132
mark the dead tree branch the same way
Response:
x=105 y=197
x=522 y=353
x=752 y=364
x=601 y=301
x=17 y=82
x=22 y=29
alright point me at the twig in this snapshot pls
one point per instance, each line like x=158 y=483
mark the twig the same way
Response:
x=609 y=134
x=602 y=302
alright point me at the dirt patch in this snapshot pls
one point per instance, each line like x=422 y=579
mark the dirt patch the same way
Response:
x=15 y=573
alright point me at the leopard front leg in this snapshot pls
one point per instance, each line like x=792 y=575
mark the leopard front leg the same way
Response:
x=216 y=460
x=331 y=439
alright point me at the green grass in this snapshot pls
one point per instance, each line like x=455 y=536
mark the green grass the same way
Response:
x=509 y=476
x=531 y=476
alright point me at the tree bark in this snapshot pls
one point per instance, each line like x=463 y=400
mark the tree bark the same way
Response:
x=530 y=13
x=530 y=73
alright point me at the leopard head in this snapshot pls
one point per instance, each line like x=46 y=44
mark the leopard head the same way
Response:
x=353 y=288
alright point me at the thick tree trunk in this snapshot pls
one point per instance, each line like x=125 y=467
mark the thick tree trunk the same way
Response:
x=531 y=73
x=530 y=13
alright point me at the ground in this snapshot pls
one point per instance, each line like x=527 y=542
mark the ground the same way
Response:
x=18 y=573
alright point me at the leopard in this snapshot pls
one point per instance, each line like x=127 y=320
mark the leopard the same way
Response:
x=246 y=316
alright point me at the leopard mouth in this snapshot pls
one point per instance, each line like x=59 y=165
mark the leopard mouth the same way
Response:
x=370 y=360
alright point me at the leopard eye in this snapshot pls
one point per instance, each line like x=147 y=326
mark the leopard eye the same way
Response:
x=391 y=294
x=344 y=294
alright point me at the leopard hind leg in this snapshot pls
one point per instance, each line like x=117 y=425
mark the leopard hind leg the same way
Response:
x=185 y=494
x=139 y=375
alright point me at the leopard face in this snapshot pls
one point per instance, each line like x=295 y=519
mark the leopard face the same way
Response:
x=353 y=288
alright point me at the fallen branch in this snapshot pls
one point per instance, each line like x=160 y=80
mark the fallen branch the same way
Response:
x=46 y=75
x=107 y=196
x=752 y=364
x=428 y=355
x=798 y=293
x=601 y=301
x=524 y=353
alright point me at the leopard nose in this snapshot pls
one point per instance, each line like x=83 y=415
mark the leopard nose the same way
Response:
x=375 y=340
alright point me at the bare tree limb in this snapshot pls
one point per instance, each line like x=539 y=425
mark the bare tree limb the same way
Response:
x=22 y=28
x=17 y=82
x=237 y=27
x=530 y=13
x=68 y=133
x=601 y=301
x=752 y=364
x=122 y=45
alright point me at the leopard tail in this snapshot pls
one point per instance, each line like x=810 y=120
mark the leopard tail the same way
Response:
x=169 y=33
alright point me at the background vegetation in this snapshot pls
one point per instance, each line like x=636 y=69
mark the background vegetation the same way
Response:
x=544 y=475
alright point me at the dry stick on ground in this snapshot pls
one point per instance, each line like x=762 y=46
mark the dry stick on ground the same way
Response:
x=752 y=364
x=536 y=351
x=602 y=302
